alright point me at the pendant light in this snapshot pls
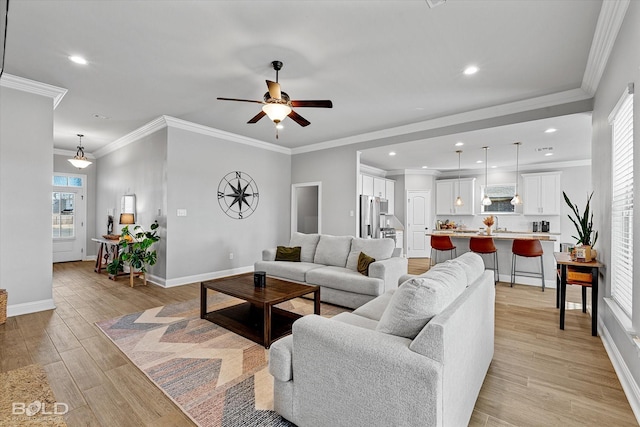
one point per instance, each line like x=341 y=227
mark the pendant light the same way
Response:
x=80 y=161
x=486 y=201
x=517 y=200
x=459 y=201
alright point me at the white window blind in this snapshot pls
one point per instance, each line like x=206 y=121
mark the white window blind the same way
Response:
x=621 y=120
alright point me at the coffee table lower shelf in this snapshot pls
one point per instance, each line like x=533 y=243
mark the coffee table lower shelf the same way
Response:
x=247 y=320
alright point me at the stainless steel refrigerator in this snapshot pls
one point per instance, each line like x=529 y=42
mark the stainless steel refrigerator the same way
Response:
x=369 y=217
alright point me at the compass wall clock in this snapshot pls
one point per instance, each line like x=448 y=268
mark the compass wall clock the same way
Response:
x=238 y=194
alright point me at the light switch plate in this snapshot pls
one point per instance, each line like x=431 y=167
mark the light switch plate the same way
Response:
x=182 y=212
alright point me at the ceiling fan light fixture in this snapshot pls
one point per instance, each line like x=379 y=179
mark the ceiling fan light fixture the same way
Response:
x=79 y=160
x=276 y=112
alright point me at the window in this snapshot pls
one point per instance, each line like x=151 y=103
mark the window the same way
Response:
x=621 y=121
x=62 y=205
x=500 y=195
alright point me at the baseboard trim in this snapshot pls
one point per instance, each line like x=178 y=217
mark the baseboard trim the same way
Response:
x=30 y=307
x=90 y=258
x=159 y=281
x=630 y=387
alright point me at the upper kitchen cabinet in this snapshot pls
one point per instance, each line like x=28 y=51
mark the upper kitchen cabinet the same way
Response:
x=367 y=185
x=447 y=192
x=541 y=195
x=379 y=187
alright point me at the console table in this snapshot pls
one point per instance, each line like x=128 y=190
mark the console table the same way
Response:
x=108 y=250
x=564 y=261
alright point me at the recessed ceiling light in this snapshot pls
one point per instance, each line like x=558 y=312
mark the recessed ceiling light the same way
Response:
x=478 y=161
x=425 y=167
x=494 y=166
x=101 y=117
x=392 y=153
x=459 y=144
x=548 y=154
x=471 y=69
x=78 y=60
x=550 y=130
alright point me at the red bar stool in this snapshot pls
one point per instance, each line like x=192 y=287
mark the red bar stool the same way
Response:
x=485 y=245
x=529 y=248
x=441 y=243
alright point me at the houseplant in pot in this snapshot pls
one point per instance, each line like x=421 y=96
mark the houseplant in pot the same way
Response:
x=135 y=251
x=587 y=236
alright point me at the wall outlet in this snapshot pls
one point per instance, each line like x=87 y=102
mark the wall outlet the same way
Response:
x=230 y=255
x=159 y=212
x=182 y=212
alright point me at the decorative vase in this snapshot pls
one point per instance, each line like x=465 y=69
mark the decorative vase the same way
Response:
x=488 y=231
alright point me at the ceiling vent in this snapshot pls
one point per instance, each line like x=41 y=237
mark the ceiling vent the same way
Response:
x=543 y=149
x=434 y=3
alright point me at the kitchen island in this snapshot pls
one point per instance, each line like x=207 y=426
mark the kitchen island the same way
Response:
x=503 y=241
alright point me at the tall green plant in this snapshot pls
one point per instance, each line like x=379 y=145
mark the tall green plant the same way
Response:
x=134 y=249
x=584 y=223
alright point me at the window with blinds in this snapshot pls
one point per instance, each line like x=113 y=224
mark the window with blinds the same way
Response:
x=621 y=121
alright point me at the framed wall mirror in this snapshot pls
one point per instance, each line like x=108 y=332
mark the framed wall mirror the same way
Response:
x=500 y=195
x=128 y=209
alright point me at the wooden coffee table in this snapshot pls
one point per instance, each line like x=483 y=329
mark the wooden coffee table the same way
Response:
x=256 y=319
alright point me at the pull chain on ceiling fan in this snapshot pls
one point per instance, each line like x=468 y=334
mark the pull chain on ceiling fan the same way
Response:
x=277 y=105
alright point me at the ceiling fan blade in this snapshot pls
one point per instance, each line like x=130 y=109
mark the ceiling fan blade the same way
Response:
x=241 y=100
x=317 y=104
x=274 y=89
x=299 y=119
x=257 y=117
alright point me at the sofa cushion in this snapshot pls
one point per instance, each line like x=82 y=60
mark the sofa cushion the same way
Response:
x=345 y=280
x=377 y=248
x=355 y=320
x=285 y=253
x=373 y=309
x=418 y=300
x=307 y=243
x=295 y=271
x=333 y=250
x=472 y=264
x=363 y=263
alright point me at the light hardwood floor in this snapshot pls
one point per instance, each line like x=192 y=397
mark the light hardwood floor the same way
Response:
x=540 y=375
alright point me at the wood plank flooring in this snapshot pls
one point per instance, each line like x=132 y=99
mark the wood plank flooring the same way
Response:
x=540 y=375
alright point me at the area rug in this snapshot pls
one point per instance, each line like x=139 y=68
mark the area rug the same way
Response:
x=26 y=399
x=215 y=376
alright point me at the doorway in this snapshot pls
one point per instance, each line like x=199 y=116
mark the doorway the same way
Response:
x=306 y=208
x=418 y=223
x=68 y=212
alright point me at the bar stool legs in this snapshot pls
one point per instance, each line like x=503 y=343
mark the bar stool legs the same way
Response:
x=485 y=245
x=529 y=249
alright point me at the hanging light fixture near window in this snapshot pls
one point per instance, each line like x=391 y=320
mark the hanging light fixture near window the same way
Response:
x=79 y=160
x=517 y=200
x=486 y=201
x=459 y=201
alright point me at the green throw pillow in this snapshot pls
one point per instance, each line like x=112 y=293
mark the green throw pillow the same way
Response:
x=363 y=263
x=284 y=253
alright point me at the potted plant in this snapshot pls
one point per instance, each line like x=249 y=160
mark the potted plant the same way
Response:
x=587 y=236
x=135 y=251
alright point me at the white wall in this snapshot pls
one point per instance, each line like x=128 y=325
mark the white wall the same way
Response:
x=26 y=167
x=623 y=67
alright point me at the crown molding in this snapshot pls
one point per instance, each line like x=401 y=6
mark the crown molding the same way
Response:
x=61 y=152
x=609 y=23
x=227 y=136
x=536 y=167
x=32 y=86
x=550 y=100
x=372 y=170
x=172 y=122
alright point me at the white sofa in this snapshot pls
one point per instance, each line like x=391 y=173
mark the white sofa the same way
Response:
x=366 y=368
x=331 y=262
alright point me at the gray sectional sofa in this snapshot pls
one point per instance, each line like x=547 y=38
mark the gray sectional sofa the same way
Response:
x=331 y=262
x=415 y=356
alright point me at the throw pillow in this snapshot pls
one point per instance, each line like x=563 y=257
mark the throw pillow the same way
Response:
x=415 y=303
x=284 y=253
x=363 y=263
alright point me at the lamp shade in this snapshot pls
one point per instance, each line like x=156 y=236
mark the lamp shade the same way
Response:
x=80 y=162
x=127 y=218
x=276 y=112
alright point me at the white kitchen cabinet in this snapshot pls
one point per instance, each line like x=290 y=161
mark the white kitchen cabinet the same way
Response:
x=447 y=192
x=367 y=185
x=541 y=195
x=390 y=191
x=379 y=187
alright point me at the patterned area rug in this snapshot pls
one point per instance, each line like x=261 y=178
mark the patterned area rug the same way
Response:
x=26 y=399
x=216 y=377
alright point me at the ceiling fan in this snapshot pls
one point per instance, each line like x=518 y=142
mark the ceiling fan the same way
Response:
x=277 y=105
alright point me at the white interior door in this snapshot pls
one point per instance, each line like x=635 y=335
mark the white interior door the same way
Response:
x=68 y=218
x=418 y=223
